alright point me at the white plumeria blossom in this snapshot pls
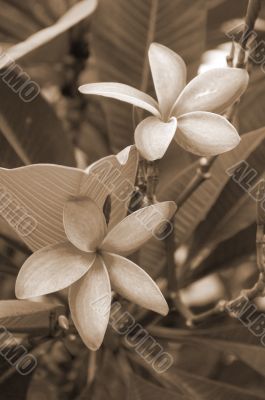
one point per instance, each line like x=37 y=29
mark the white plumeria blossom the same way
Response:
x=73 y=245
x=187 y=113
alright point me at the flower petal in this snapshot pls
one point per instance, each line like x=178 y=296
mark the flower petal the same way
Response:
x=169 y=76
x=153 y=136
x=84 y=223
x=134 y=284
x=32 y=200
x=213 y=90
x=134 y=230
x=206 y=134
x=50 y=269
x=89 y=301
x=113 y=175
x=120 y=91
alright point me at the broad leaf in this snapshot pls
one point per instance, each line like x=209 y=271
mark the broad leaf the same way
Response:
x=141 y=389
x=30 y=131
x=228 y=336
x=228 y=254
x=198 y=205
x=206 y=389
x=33 y=197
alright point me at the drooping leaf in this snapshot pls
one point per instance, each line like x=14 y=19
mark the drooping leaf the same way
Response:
x=72 y=17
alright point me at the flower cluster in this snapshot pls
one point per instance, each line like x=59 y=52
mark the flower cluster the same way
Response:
x=75 y=244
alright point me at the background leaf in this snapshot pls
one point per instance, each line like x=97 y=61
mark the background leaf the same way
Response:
x=22 y=315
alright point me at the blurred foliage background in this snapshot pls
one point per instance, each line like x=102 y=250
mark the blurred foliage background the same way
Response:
x=62 y=44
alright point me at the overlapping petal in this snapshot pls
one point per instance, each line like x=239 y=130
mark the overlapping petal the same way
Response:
x=134 y=230
x=134 y=284
x=153 y=136
x=113 y=175
x=50 y=269
x=206 y=134
x=120 y=91
x=32 y=198
x=213 y=90
x=169 y=76
x=89 y=300
x=84 y=223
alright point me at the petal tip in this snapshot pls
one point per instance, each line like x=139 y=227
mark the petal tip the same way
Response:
x=19 y=293
x=124 y=155
x=164 y=309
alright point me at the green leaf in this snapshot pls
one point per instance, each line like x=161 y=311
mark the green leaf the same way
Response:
x=122 y=55
x=24 y=316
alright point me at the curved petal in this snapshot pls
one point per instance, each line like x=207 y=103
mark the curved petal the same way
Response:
x=51 y=269
x=153 y=136
x=134 y=284
x=169 y=76
x=136 y=229
x=32 y=200
x=84 y=223
x=89 y=301
x=120 y=91
x=113 y=175
x=213 y=90
x=206 y=134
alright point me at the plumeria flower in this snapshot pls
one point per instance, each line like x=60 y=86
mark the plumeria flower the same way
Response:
x=73 y=244
x=185 y=113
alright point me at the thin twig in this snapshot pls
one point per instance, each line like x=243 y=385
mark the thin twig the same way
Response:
x=201 y=175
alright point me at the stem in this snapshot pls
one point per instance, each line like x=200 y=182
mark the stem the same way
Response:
x=171 y=265
x=201 y=175
x=253 y=10
x=147 y=181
